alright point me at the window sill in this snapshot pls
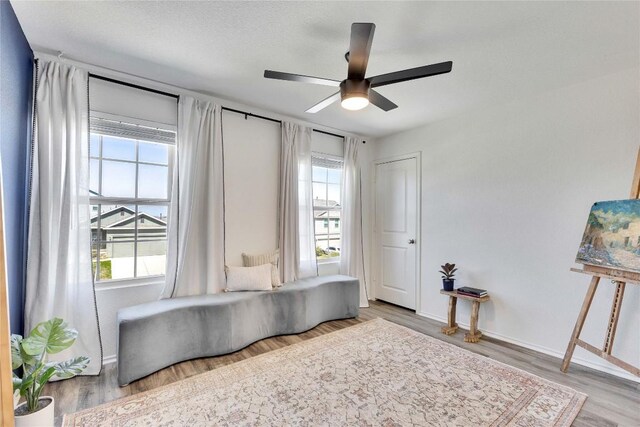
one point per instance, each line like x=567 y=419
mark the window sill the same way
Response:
x=332 y=260
x=129 y=283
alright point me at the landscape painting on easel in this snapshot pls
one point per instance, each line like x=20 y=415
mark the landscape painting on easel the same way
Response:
x=612 y=236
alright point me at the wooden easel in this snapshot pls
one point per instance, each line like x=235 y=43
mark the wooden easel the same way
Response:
x=620 y=279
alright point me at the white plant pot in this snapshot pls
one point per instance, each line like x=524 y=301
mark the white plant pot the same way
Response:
x=42 y=418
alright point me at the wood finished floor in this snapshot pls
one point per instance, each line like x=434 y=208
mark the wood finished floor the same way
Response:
x=611 y=402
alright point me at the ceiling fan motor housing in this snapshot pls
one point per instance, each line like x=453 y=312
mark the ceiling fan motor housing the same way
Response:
x=354 y=88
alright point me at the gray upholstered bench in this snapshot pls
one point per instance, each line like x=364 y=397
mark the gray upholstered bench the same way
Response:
x=158 y=334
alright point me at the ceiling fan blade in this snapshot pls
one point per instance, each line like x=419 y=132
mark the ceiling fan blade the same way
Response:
x=411 y=74
x=300 y=78
x=324 y=103
x=380 y=101
x=359 y=49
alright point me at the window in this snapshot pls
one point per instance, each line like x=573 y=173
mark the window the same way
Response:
x=130 y=173
x=327 y=178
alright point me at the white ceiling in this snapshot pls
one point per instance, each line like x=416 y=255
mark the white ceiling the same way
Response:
x=500 y=50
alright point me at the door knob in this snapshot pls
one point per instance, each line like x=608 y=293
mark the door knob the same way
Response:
x=412 y=241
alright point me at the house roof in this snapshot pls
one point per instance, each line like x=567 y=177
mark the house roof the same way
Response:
x=127 y=219
x=112 y=212
x=321 y=203
x=139 y=216
x=317 y=203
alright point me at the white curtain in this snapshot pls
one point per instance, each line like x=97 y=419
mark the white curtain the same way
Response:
x=297 y=235
x=59 y=277
x=351 y=254
x=195 y=258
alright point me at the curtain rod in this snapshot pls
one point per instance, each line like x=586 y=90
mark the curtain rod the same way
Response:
x=247 y=114
x=257 y=116
x=135 y=86
x=177 y=97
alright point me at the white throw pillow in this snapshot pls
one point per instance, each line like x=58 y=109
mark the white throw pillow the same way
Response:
x=271 y=257
x=256 y=278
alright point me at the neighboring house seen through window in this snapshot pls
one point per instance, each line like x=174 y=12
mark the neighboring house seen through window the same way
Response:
x=327 y=178
x=130 y=169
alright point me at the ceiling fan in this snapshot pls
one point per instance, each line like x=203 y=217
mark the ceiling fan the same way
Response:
x=356 y=91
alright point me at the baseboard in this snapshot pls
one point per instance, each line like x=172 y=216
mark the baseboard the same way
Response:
x=109 y=359
x=602 y=367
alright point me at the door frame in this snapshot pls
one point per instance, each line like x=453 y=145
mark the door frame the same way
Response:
x=376 y=237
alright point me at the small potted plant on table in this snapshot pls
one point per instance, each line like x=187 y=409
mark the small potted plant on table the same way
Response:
x=448 y=271
x=30 y=354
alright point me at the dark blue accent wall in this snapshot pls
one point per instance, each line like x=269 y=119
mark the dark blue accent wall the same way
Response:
x=16 y=72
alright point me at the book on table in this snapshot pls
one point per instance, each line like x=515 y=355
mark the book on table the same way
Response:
x=472 y=292
x=470 y=295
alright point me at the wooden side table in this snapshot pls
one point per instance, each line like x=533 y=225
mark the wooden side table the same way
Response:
x=474 y=334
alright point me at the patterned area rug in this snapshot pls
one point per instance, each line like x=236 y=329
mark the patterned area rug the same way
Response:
x=375 y=373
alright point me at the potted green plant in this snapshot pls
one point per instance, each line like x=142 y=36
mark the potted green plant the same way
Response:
x=448 y=271
x=31 y=354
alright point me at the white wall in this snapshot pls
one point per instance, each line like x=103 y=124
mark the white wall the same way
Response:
x=251 y=168
x=506 y=191
x=109 y=300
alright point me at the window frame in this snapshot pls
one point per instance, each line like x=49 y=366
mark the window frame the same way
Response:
x=99 y=200
x=328 y=209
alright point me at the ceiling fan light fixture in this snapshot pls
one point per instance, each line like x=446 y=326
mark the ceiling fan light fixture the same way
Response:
x=354 y=94
x=355 y=103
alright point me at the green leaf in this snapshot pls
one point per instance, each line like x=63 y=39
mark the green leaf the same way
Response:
x=30 y=369
x=52 y=336
x=25 y=385
x=46 y=376
x=72 y=367
x=16 y=356
x=17 y=382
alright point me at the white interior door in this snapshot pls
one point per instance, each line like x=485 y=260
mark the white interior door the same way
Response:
x=396 y=232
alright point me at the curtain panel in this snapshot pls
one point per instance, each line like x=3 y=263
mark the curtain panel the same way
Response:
x=351 y=254
x=195 y=254
x=59 y=279
x=296 y=227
